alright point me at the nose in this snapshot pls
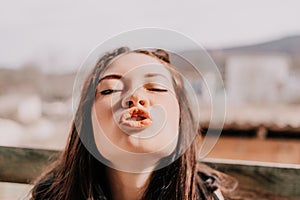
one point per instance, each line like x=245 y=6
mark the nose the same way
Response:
x=136 y=98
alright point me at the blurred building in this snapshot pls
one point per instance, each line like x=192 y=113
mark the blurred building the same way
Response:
x=257 y=78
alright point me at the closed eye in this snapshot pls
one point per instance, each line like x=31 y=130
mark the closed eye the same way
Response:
x=108 y=91
x=157 y=90
x=155 y=87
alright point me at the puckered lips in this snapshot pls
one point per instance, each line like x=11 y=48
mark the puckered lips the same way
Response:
x=136 y=118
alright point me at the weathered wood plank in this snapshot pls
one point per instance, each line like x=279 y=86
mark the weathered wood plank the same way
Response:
x=257 y=178
x=269 y=150
x=10 y=191
x=278 y=181
x=21 y=165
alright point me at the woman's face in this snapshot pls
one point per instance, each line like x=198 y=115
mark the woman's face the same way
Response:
x=135 y=108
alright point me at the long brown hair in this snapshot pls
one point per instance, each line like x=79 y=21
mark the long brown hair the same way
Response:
x=79 y=175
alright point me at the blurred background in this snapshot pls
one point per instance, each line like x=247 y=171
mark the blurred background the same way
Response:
x=255 y=44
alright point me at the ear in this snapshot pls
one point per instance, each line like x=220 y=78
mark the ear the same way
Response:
x=162 y=54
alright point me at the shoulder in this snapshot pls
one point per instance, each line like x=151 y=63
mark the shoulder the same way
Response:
x=216 y=183
x=217 y=195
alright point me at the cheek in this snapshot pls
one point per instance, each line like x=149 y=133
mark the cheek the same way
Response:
x=106 y=121
x=173 y=114
x=169 y=134
x=171 y=107
x=103 y=112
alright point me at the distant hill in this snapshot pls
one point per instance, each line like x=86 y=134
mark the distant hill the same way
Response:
x=289 y=45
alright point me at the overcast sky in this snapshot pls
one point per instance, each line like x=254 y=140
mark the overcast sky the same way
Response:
x=59 y=34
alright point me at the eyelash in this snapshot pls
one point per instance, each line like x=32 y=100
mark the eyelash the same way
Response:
x=109 y=91
x=157 y=90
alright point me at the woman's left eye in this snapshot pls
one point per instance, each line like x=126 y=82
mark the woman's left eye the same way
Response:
x=155 y=87
x=157 y=90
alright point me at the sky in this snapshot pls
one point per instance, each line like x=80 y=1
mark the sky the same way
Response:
x=57 y=35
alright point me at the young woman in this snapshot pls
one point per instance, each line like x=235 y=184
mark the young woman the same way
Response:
x=134 y=136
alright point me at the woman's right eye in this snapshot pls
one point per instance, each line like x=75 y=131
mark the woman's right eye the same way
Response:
x=109 y=91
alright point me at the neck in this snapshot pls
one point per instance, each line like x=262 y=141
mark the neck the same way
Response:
x=127 y=186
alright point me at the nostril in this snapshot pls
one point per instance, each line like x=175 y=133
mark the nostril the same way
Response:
x=129 y=103
x=142 y=102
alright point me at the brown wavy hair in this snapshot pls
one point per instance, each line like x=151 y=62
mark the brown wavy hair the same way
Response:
x=79 y=175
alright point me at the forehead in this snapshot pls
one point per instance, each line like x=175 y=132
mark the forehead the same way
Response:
x=136 y=63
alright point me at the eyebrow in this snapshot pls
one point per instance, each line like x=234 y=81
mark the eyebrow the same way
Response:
x=117 y=76
x=153 y=75
x=111 y=76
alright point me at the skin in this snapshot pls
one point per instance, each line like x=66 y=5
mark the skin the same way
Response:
x=134 y=81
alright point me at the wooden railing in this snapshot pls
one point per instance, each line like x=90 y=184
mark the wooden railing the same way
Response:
x=256 y=180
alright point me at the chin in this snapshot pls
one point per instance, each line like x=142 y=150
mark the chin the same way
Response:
x=154 y=147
